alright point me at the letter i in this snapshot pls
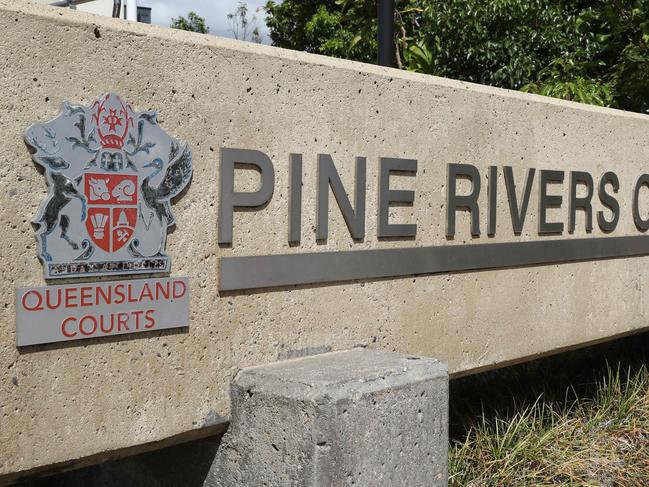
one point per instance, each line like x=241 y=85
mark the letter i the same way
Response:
x=492 y=191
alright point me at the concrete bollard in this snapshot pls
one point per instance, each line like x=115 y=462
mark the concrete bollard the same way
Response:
x=358 y=417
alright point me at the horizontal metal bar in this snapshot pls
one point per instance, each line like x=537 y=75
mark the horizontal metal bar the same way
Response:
x=254 y=272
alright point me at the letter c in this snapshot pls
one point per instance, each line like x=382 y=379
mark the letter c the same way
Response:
x=63 y=330
x=640 y=223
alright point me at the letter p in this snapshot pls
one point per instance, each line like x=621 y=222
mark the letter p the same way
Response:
x=231 y=199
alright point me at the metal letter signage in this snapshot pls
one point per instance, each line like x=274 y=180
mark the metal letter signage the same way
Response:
x=111 y=173
x=243 y=272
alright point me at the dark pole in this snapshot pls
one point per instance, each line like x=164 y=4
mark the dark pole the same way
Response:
x=385 y=36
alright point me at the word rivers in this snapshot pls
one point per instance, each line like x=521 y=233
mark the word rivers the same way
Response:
x=518 y=200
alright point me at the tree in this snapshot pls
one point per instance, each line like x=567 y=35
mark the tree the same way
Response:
x=330 y=27
x=193 y=23
x=593 y=51
x=243 y=28
x=615 y=71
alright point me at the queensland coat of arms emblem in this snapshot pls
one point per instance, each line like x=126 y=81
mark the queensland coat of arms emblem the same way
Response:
x=111 y=173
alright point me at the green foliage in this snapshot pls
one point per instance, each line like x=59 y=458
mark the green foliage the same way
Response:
x=193 y=23
x=614 y=73
x=500 y=42
x=624 y=27
x=339 y=28
x=419 y=59
x=287 y=23
x=583 y=50
x=568 y=82
x=577 y=89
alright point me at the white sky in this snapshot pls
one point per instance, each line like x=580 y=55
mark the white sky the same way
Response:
x=214 y=12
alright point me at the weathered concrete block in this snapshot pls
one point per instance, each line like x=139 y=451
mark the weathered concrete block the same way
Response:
x=74 y=404
x=359 y=417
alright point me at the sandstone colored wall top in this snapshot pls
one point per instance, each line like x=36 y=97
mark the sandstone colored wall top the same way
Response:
x=64 y=402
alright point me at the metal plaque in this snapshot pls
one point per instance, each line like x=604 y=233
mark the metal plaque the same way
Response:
x=111 y=172
x=90 y=310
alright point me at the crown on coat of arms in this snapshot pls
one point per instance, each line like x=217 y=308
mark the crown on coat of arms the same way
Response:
x=112 y=120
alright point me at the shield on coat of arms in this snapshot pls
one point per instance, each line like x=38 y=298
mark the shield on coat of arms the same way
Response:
x=112 y=208
x=111 y=173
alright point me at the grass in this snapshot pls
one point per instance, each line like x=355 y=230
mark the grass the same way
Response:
x=597 y=434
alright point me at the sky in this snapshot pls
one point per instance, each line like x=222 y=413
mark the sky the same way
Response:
x=214 y=11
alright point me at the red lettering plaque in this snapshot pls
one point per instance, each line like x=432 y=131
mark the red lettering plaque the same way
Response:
x=89 y=310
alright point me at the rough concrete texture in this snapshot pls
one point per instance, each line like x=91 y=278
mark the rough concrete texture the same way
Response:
x=360 y=417
x=61 y=403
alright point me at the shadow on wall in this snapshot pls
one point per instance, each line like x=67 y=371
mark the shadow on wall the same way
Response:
x=504 y=392
x=184 y=465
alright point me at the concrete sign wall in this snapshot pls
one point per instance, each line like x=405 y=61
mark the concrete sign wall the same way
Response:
x=395 y=148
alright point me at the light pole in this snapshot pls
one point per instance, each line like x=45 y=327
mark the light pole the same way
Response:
x=385 y=35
